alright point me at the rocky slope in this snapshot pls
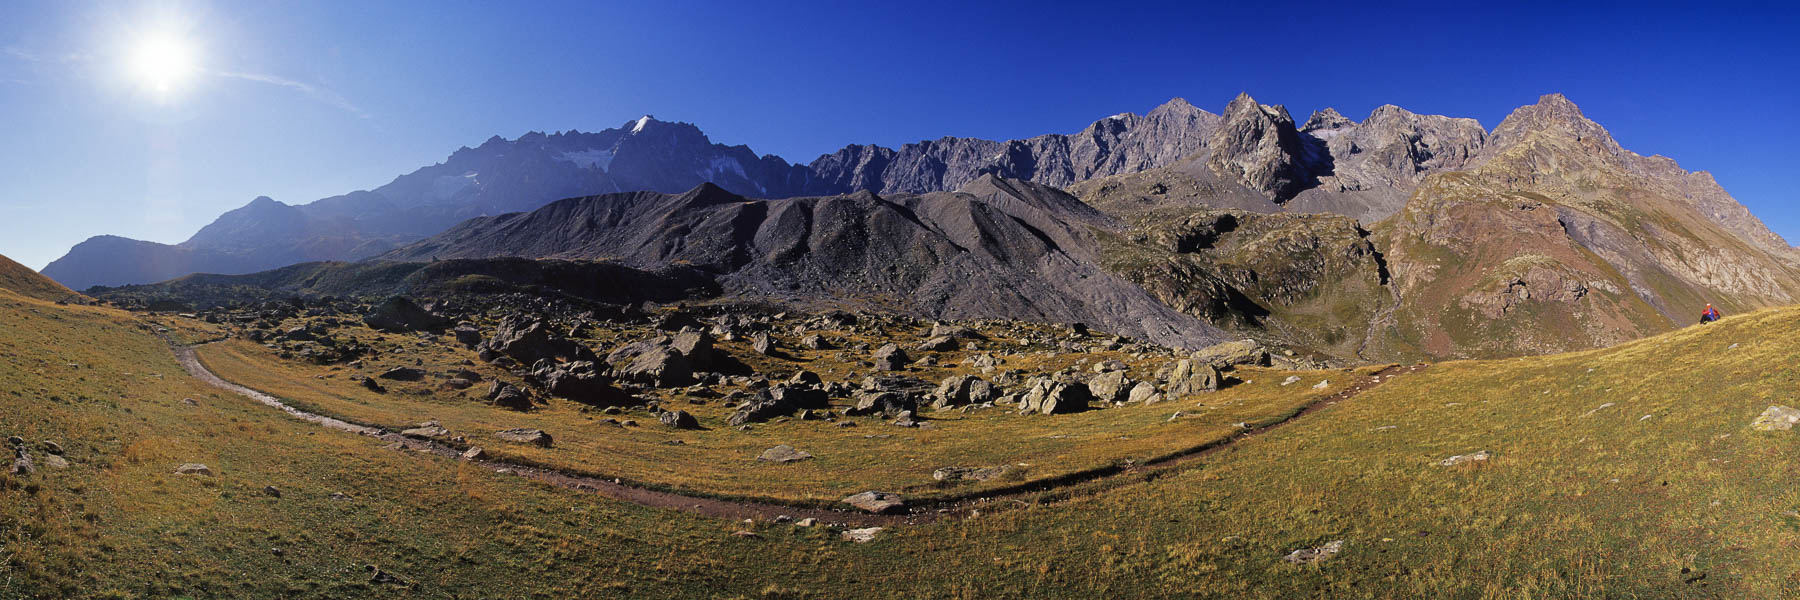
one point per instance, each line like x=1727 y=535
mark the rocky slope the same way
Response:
x=996 y=248
x=1559 y=239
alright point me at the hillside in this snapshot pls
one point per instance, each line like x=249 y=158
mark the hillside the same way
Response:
x=21 y=280
x=994 y=249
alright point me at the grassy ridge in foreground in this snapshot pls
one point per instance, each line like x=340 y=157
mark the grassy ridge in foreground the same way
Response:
x=1580 y=500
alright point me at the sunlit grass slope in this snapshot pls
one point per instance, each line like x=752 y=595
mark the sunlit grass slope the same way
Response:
x=26 y=282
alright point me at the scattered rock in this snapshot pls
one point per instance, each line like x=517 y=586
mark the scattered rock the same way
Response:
x=370 y=384
x=762 y=344
x=807 y=522
x=938 y=344
x=271 y=491
x=402 y=374
x=1461 y=459
x=1292 y=379
x=679 y=419
x=1322 y=384
x=1145 y=393
x=1241 y=352
x=535 y=437
x=56 y=462
x=506 y=395
x=398 y=313
x=52 y=447
x=1776 y=418
x=877 y=502
x=861 y=536
x=427 y=431
x=1048 y=396
x=890 y=358
x=380 y=577
x=1307 y=556
x=745 y=534
x=1190 y=377
x=193 y=469
x=783 y=454
x=475 y=453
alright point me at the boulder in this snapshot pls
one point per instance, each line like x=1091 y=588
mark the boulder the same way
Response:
x=697 y=346
x=661 y=367
x=535 y=437
x=402 y=374
x=1048 y=396
x=56 y=462
x=528 y=340
x=468 y=336
x=815 y=342
x=890 y=357
x=1464 y=459
x=370 y=384
x=399 y=313
x=1111 y=386
x=1307 y=556
x=953 y=331
x=869 y=402
x=1192 y=377
x=1241 y=352
x=762 y=344
x=1776 y=418
x=877 y=502
x=1144 y=392
x=861 y=536
x=938 y=344
x=427 y=431
x=962 y=390
x=679 y=419
x=475 y=453
x=783 y=454
x=581 y=381
x=506 y=395
x=193 y=469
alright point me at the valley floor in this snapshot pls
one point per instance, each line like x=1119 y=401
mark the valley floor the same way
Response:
x=1624 y=472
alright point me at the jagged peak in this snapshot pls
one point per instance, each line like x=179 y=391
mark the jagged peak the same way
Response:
x=1552 y=112
x=1177 y=106
x=1327 y=118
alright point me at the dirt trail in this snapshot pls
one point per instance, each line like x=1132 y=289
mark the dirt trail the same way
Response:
x=735 y=509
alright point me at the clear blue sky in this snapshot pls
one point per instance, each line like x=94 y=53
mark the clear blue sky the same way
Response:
x=302 y=100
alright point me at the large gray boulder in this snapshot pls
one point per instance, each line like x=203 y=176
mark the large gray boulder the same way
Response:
x=1111 y=386
x=583 y=382
x=399 y=313
x=1048 y=396
x=1191 y=377
x=962 y=390
x=890 y=358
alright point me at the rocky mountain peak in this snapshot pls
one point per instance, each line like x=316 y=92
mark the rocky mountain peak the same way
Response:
x=1257 y=145
x=1554 y=114
x=1326 y=121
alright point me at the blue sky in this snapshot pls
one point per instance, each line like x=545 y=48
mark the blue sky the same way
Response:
x=302 y=100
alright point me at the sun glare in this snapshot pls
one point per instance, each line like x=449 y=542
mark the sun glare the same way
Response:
x=163 y=63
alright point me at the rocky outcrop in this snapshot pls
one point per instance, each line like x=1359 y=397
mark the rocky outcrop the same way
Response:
x=400 y=314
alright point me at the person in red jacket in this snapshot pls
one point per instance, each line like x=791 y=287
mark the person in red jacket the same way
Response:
x=1711 y=314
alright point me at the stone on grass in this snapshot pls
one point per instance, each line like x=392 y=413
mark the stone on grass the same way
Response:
x=783 y=454
x=679 y=419
x=1463 y=459
x=1776 y=418
x=535 y=437
x=56 y=462
x=193 y=469
x=1307 y=556
x=877 y=502
x=861 y=536
x=475 y=453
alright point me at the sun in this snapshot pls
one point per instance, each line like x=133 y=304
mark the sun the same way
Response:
x=163 y=63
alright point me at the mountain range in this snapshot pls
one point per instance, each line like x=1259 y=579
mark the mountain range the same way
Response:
x=1398 y=236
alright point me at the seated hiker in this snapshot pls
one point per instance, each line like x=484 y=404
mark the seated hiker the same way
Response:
x=1711 y=314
